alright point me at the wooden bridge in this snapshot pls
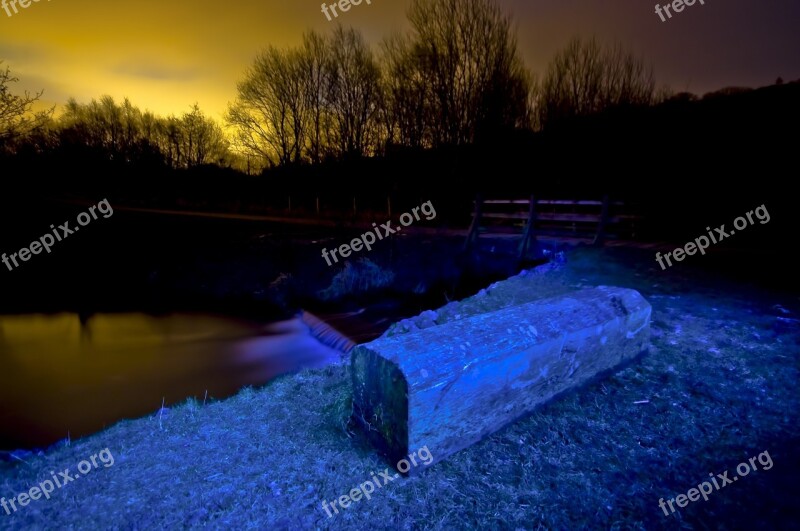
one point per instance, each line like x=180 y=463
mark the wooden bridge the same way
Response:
x=579 y=221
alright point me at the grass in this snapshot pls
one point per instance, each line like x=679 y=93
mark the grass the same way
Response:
x=720 y=385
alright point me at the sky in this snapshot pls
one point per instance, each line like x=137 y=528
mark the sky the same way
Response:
x=166 y=55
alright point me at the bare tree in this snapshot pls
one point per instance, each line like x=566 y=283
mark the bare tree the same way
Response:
x=586 y=77
x=17 y=118
x=202 y=140
x=355 y=94
x=123 y=132
x=170 y=142
x=115 y=130
x=408 y=96
x=268 y=113
x=98 y=124
x=467 y=52
x=315 y=64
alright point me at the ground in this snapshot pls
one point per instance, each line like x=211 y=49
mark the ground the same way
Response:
x=718 y=386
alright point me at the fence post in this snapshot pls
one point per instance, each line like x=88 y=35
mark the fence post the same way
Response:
x=474 y=228
x=599 y=238
x=530 y=234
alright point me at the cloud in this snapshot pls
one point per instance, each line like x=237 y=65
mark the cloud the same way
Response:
x=18 y=54
x=147 y=70
x=53 y=90
x=28 y=80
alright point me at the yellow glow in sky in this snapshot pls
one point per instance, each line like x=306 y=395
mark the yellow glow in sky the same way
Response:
x=166 y=55
x=163 y=55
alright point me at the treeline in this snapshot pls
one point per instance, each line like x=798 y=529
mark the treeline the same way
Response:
x=456 y=78
x=125 y=132
x=106 y=130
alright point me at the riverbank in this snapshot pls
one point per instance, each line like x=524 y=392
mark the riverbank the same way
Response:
x=718 y=386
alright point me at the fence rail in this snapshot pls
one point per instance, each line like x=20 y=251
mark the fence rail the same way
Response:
x=588 y=220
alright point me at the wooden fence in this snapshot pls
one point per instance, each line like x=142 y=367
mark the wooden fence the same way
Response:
x=587 y=221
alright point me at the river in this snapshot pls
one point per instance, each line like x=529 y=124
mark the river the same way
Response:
x=68 y=375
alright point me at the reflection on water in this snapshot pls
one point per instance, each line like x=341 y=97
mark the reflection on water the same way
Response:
x=69 y=374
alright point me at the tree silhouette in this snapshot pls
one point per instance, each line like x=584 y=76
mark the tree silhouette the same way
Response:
x=408 y=94
x=456 y=79
x=17 y=118
x=125 y=133
x=586 y=77
x=315 y=65
x=355 y=95
x=303 y=104
x=200 y=140
x=268 y=113
x=467 y=53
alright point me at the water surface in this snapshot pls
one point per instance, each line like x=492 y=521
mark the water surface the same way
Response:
x=69 y=375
